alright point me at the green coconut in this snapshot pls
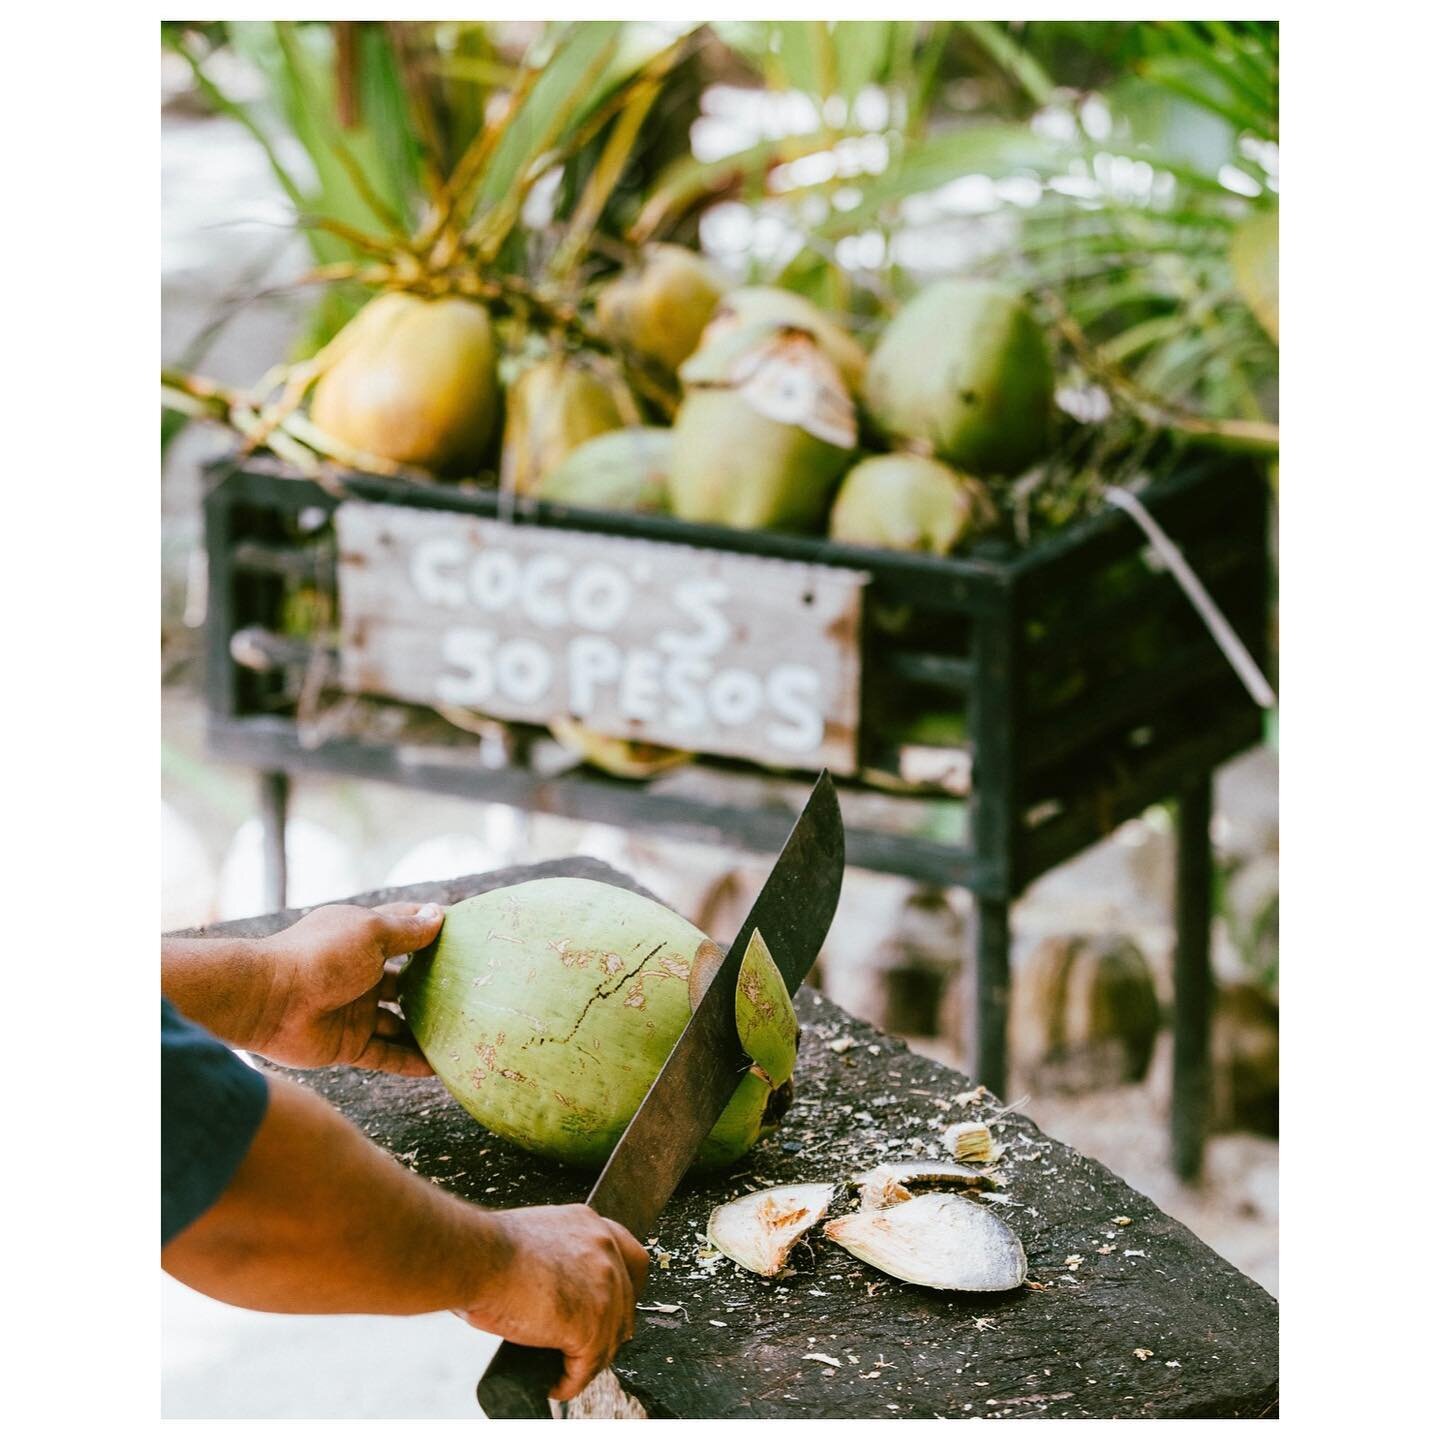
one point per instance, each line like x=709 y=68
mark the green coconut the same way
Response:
x=908 y=502
x=765 y=304
x=620 y=470
x=963 y=372
x=413 y=381
x=661 y=309
x=547 y=1009
x=551 y=409
x=734 y=466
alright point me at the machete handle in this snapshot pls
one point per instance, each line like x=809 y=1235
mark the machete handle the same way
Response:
x=517 y=1382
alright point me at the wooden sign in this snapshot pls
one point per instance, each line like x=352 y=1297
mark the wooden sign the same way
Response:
x=705 y=650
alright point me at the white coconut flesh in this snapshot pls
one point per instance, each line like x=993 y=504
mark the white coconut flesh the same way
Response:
x=891 y=1183
x=971 y=1140
x=940 y=1241
x=758 y=1231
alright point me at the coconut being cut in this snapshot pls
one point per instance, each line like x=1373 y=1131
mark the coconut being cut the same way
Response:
x=547 y=1008
x=758 y=1231
x=943 y=1242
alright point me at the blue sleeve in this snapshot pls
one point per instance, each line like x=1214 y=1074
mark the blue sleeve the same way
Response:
x=211 y=1105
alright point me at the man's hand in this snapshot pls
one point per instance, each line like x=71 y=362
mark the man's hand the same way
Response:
x=318 y=1221
x=328 y=978
x=568 y=1281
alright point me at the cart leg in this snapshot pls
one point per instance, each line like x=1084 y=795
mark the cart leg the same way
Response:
x=274 y=802
x=1190 y=1085
x=992 y=993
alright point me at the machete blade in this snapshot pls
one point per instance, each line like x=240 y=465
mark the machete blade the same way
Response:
x=793 y=912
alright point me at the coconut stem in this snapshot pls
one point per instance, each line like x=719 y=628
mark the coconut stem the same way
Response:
x=1256 y=436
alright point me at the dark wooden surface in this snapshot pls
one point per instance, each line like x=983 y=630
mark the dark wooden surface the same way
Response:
x=736 y=1344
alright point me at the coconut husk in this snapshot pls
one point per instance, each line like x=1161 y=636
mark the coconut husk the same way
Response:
x=414 y=382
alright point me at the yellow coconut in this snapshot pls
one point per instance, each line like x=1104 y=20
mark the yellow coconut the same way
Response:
x=661 y=309
x=908 y=502
x=552 y=408
x=963 y=371
x=623 y=758
x=413 y=381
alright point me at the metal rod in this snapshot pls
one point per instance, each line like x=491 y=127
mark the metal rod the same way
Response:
x=274 y=802
x=1190 y=1086
x=1251 y=675
x=992 y=993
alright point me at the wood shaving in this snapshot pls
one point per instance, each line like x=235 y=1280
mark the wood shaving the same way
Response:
x=1142 y=1354
x=823 y=1359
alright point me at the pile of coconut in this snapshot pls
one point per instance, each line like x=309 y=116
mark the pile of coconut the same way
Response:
x=664 y=391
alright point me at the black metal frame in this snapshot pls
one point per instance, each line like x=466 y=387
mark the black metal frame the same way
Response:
x=1091 y=687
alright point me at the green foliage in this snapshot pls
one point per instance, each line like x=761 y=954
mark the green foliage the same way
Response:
x=1130 y=171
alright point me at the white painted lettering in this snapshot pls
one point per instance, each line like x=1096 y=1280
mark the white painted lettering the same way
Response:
x=599 y=597
x=524 y=670
x=735 y=697
x=683 y=680
x=593 y=662
x=640 y=686
x=547 y=609
x=794 y=692
x=698 y=599
x=469 y=651
x=431 y=574
x=494 y=579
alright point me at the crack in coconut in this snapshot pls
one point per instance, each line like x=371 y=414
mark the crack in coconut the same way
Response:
x=758 y=1231
x=942 y=1242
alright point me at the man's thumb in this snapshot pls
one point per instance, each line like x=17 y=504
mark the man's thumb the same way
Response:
x=408 y=927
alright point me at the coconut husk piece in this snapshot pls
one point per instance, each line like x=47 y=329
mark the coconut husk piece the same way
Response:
x=939 y=1241
x=892 y=1182
x=759 y=1230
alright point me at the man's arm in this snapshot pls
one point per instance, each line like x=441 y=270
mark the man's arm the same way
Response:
x=314 y=994
x=317 y=1220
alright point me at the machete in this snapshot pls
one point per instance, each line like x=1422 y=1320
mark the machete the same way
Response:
x=793 y=912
